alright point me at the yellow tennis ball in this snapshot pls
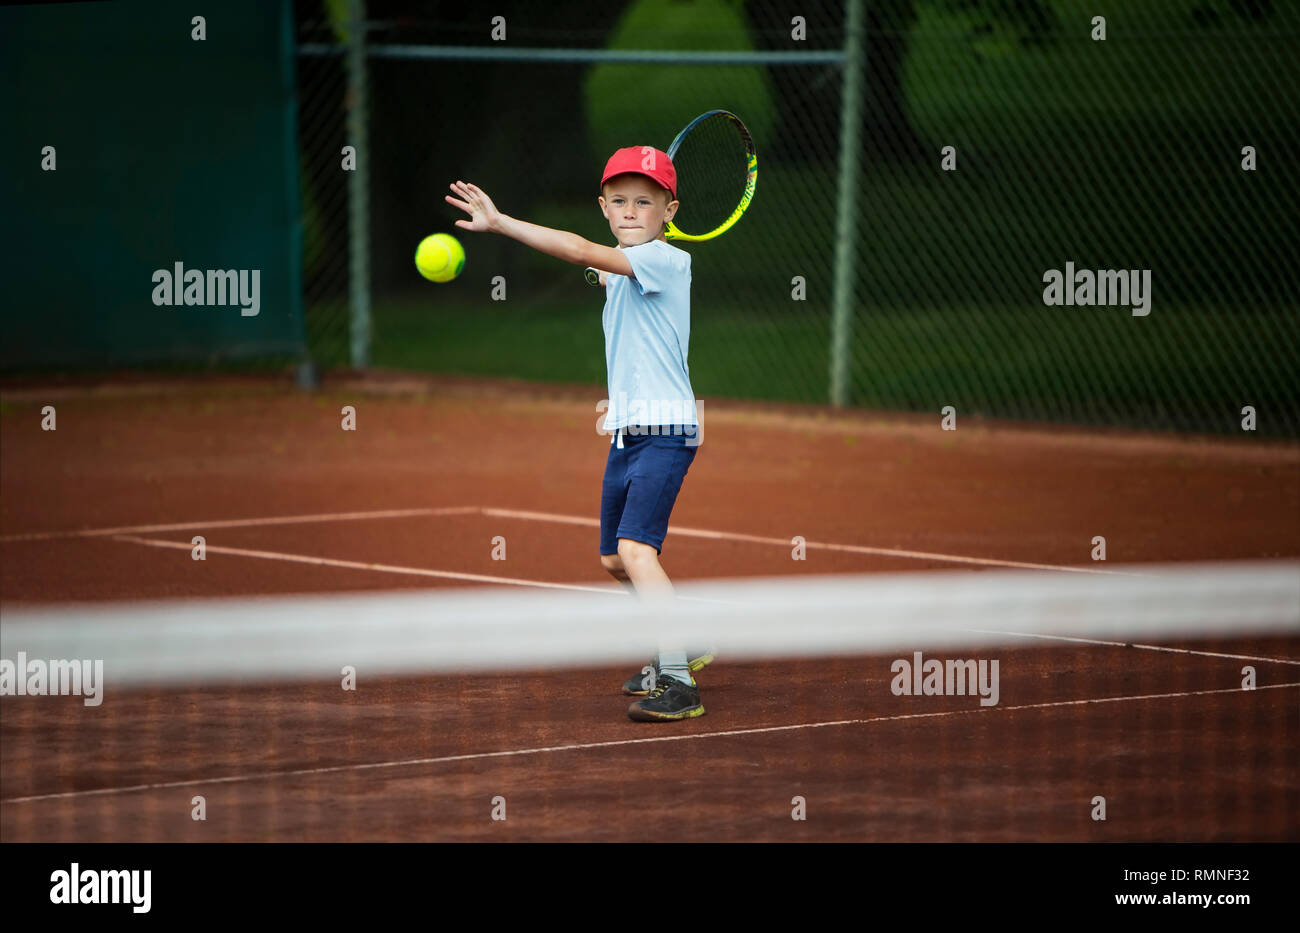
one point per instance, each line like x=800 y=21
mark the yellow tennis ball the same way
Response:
x=440 y=257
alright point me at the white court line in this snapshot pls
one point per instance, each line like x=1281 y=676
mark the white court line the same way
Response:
x=384 y=568
x=389 y=568
x=821 y=545
x=242 y=523
x=1128 y=644
x=549 y=517
x=478 y=756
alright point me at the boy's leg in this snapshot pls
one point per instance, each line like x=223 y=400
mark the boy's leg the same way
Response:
x=643 y=681
x=656 y=479
x=613 y=564
x=654 y=467
x=613 y=500
x=697 y=658
x=641 y=563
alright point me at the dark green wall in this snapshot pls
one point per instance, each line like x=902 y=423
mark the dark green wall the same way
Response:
x=168 y=150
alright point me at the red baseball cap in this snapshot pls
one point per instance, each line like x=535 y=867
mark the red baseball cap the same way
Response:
x=642 y=160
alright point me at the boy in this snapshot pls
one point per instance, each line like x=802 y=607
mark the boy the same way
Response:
x=651 y=404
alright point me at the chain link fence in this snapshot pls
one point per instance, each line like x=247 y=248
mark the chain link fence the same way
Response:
x=985 y=152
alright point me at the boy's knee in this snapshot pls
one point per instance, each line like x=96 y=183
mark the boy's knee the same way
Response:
x=612 y=562
x=632 y=552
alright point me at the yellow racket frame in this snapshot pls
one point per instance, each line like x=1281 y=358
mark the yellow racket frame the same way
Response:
x=751 y=179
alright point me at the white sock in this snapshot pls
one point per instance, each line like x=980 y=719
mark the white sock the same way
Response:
x=673 y=664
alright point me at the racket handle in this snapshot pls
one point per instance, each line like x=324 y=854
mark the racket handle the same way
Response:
x=593 y=276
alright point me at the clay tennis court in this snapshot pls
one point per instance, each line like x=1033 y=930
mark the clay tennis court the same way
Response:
x=105 y=507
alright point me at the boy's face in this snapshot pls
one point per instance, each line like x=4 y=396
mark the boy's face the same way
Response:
x=636 y=209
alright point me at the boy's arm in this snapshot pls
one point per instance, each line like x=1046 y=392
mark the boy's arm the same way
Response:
x=570 y=247
x=564 y=245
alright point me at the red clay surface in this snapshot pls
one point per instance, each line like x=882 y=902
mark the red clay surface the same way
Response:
x=294 y=762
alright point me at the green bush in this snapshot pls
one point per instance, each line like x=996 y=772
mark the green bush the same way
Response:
x=647 y=104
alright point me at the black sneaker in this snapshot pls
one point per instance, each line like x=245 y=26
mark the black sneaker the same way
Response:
x=639 y=684
x=669 y=700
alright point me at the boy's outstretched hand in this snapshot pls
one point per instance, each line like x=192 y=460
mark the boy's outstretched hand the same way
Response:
x=484 y=216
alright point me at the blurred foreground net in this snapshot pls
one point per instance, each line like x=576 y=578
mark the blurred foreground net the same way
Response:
x=1151 y=702
x=206 y=641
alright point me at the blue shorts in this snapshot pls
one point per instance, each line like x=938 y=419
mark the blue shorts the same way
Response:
x=642 y=479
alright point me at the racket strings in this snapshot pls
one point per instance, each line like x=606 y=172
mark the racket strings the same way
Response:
x=712 y=164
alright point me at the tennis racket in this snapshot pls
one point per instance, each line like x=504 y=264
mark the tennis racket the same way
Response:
x=717 y=171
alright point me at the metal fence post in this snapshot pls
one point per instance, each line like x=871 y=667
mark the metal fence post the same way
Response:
x=846 y=221
x=358 y=187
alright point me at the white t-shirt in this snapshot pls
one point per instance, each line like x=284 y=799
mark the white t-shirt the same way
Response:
x=647 y=335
